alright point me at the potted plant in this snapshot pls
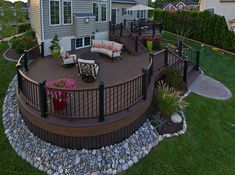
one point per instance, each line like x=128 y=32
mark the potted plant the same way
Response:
x=57 y=91
x=149 y=43
x=55 y=46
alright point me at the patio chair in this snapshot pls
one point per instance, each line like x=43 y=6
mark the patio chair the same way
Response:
x=67 y=60
x=88 y=70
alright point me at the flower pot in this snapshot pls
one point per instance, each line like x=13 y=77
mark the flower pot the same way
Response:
x=55 y=52
x=59 y=104
x=149 y=45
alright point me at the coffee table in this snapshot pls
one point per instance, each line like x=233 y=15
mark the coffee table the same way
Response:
x=89 y=56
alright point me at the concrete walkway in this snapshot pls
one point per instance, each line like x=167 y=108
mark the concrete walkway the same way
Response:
x=10 y=37
x=209 y=87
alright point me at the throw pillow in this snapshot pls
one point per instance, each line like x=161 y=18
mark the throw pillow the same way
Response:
x=66 y=54
x=106 y=46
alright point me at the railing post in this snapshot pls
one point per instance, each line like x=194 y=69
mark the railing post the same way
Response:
x=136 y=43
x=180 y=48
x=144 y=84
x=124 y=22
x=166 y=56
x=151 y=67
x=121 y=29
x=197 y=59
x=101 y=101
x=139 y=29
x=42 y=49
x=185 y=75
x=42 y=98
x=153 y=28
x=113 y=28
x=132 y=27
x=160 y=27
x=19 y=79
x=26 y=60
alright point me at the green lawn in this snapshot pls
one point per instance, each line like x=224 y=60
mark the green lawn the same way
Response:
x=207 y=148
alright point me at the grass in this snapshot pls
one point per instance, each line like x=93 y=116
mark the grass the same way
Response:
x=8 y=32
x=207 y=148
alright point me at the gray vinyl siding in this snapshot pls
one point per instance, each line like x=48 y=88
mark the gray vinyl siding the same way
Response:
x=120 y=18
x=35 y=19
x=79 y=6
x=84 y=29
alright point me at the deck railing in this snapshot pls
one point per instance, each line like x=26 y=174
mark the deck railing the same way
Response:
x=83 y=103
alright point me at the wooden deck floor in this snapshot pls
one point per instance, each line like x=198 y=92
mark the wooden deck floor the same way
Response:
x=111 y=72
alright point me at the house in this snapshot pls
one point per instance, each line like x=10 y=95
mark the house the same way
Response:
x=184 y=5
x=77 y=22
x=221 y=7
x=120 y=12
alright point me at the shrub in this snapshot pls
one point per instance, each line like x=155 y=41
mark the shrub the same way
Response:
x=202 y=26
x=24 y=27
x=168 y=99
x=173 y=78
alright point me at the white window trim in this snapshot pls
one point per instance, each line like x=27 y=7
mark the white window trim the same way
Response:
x=98 y=11
x=106 y=4
x=50 y=13
x=83 y=42
x=71 y=12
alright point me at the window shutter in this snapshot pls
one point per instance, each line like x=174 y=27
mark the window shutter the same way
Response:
x=73 y=47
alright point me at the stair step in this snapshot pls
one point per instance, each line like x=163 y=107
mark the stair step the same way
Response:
x=192 y=76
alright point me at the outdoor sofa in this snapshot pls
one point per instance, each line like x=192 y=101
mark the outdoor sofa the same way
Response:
x=109 y=48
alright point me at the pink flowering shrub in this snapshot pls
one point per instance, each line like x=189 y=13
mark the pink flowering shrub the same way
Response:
x=63 y=83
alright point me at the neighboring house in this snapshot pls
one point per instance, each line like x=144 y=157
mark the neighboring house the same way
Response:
x=224 y=8
x=184 y=5
x=120 y=12
x=75 y=21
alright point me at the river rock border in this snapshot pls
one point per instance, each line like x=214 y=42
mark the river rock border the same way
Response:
x=55 y=160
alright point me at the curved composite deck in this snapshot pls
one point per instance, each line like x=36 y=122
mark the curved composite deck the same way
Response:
x=78 y=125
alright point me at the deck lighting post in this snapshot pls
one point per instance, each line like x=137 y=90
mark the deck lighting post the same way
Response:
x=166 y=56
x=18 y=67
x=139 y=29
x=101 y=101
x=180 y=48
x=197 y=59
x=132 y=27
x=42 y=98
x=42 y=49
x=121 y=29
x=154 y=28
x=26 y=60
x=144 y=84
x=185 y=75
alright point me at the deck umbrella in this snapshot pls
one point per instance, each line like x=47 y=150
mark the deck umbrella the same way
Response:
x=140 y=7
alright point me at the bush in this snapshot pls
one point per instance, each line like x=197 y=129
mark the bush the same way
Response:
x=23 y=43
x=202 y=26
x=24 y=27
x=168 y=99
x=172 y=77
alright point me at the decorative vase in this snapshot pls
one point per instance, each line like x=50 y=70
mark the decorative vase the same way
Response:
x=149 y=45
x=59 y=104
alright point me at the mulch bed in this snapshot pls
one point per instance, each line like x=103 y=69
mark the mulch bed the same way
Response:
x=12 y=54
x=168 y=127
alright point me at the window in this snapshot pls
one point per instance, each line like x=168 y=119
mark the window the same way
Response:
x=79 y=42
x=124 y=11
x=140 y=14
x=87 y=41
x=83 y=42
x=103 y=11
x=67 y=7
x=54 y=12
x=95 y=10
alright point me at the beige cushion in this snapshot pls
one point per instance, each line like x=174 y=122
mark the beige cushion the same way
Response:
x=86 y=61
x=117 y=45
x=62 y=52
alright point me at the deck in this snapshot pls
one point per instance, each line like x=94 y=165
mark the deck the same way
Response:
x=111 y=72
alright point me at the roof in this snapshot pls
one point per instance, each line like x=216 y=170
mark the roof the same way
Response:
x=125 y=1
x=186 y=2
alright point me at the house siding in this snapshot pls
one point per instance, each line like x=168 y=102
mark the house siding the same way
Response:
x=120 y=18
x=79 y=6
x=82 y=28
x=35 y=18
